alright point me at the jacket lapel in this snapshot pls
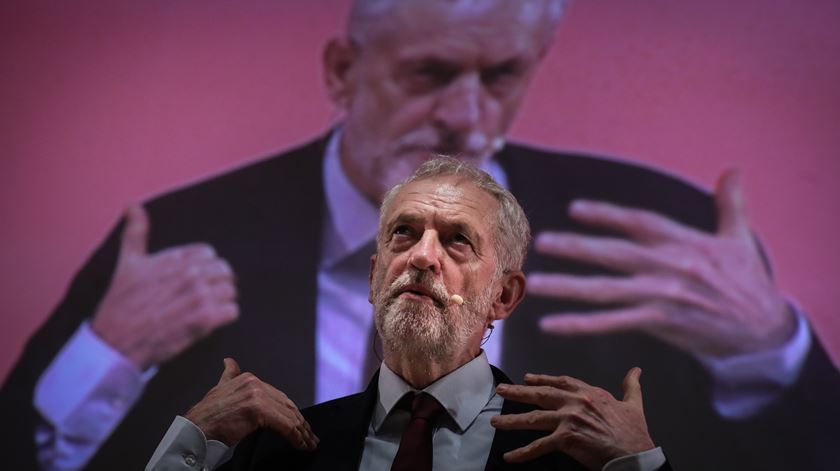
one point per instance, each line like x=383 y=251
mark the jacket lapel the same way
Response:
x=503 y=441
x=342 y=427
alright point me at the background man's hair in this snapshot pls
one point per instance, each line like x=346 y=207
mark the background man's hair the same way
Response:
x=511 y=233
x=366 y=16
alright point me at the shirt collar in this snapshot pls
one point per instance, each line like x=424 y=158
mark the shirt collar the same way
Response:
x=463 y=392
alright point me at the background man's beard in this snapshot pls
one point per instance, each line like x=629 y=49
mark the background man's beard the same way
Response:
x=420 y=329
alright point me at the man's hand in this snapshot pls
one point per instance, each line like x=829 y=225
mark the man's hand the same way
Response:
x=241 y=403
x=709 y=294
x=586 y=423
x=159 y=304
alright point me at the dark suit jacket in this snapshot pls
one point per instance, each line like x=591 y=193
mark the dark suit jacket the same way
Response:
x=265 y=219
x=342 y=426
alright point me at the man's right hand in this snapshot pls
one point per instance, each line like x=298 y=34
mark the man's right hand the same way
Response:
x=241 y=403
x=159 y=304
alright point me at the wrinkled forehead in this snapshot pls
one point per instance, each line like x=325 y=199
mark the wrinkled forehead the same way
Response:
x=386 y=20
x=444 y=198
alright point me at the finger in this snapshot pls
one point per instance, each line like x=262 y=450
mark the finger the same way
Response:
x=546 y=397
x=135 y=234
x=638 y=224
x=732 y=214
x=533 y=420
x=537 y=448
x=615 y=290
x=182 y=260
x=207 y=271
x=566 y=383
x=311 y=437
x=593 y=289
x=222 y=292
x=224 y=314
x=231 y=370
x=303 y=438
x=276 y=411
x=286 y=404
x=195 y=285
x=217 y=270
x=632 y=388
x=295 y=428
x=178 y=254
x=609 y=252
x=197 y=303
x=192 y=320
x=602 y=322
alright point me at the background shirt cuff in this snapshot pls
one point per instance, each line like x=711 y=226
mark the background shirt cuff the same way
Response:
x=89 y=387
x=645 y=461
x=746 y=383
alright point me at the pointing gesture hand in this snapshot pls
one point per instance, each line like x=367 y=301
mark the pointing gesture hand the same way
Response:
x=159 y=304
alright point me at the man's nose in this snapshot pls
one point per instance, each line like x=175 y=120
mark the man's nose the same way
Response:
x=459 y=105
x=426 y=253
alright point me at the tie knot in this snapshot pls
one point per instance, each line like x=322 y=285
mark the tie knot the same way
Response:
x=424 y=406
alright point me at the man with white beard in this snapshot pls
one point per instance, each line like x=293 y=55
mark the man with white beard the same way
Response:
x=447 y=234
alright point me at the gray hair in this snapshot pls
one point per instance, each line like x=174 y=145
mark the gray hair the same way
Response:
x=364 y=14
x=511 y=233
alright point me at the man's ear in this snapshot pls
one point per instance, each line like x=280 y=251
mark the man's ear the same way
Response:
x=370 y=277
x=510 y=294
x=339 y=56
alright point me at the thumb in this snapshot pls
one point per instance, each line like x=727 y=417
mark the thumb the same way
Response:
x=231 y=370
x=631 y=386
x=136 y=232
x=729 y=198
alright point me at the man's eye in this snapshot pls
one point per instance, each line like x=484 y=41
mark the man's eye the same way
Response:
x=402 y=231
x=461 y=239
x=428 y=77
x=501 y=75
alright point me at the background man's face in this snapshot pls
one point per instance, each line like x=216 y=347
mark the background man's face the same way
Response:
x=435 y=80
x=437 y=241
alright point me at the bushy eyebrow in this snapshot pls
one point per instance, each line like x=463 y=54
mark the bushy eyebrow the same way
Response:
x=450 y=226
x=404 y=218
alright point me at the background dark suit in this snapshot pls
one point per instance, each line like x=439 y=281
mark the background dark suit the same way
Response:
x=265 y=219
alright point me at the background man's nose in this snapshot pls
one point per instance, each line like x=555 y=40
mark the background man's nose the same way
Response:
x=459 y=105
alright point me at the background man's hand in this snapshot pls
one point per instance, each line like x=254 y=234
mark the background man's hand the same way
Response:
x=586 y=422
x=159 y=304
x=709 y=294
x=241 y=403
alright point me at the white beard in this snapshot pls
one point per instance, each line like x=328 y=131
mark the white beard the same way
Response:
x=418 y=329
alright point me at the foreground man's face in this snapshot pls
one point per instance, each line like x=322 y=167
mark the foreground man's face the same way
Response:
x=437 y=240
x=434 y=81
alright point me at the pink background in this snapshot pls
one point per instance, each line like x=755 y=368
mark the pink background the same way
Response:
x=107 y=102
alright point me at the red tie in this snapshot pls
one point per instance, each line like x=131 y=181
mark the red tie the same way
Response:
x=415 y=452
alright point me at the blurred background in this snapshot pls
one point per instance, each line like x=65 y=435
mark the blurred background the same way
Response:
x=103 y=103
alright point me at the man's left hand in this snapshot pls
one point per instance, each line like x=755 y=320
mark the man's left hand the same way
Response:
x=708 y=294
x=586 y=422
